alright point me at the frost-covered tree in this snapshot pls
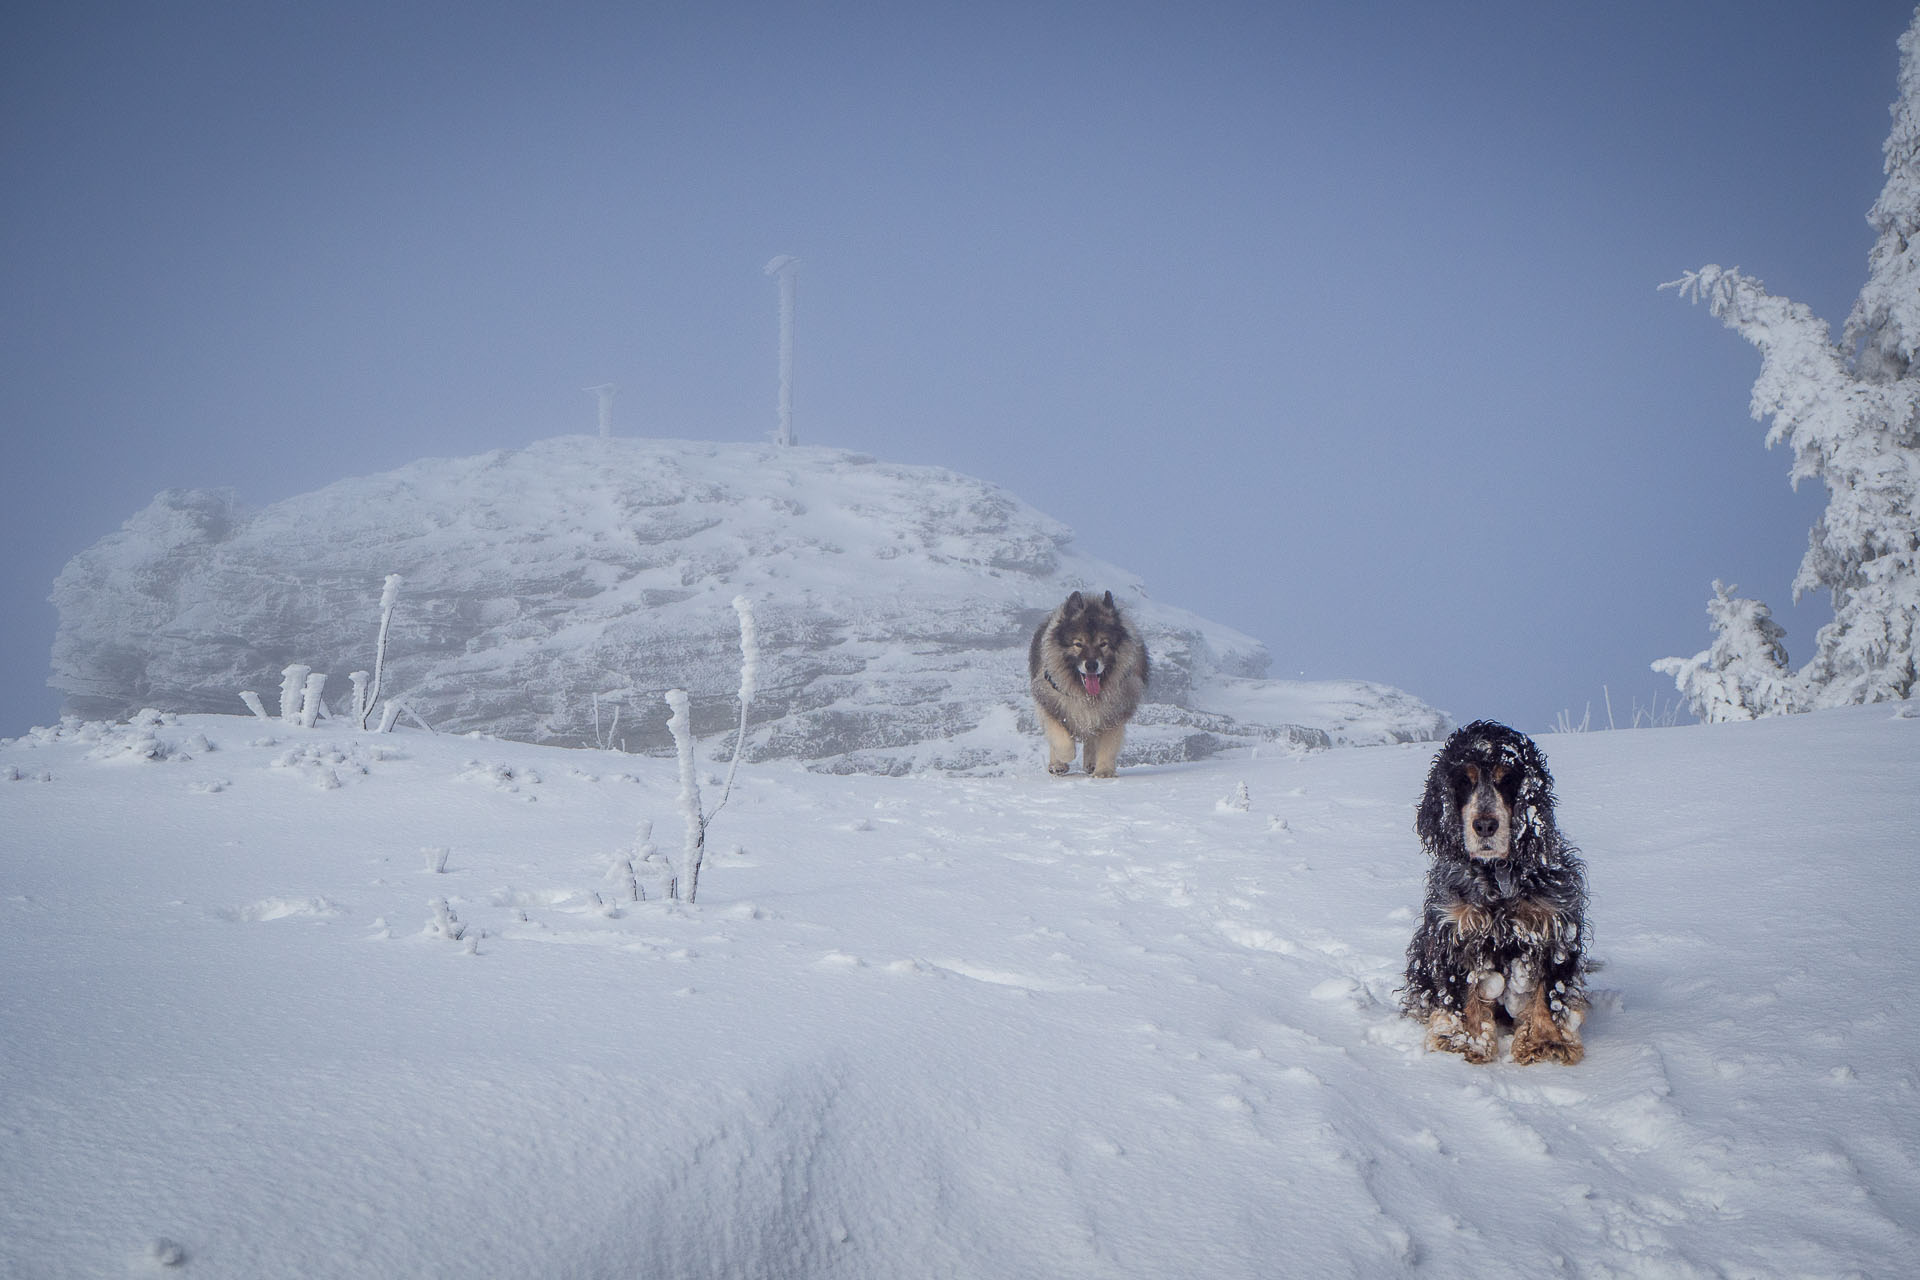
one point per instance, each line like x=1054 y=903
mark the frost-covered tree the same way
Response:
x=1744 y=674
x=1851 y=411
x=1885 y=321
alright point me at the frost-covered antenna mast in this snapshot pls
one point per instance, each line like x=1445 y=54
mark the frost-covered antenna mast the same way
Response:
x=605 y=391
x=783 y=267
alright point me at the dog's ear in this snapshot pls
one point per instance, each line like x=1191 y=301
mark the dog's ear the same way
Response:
x=1533 y=822
x=1109 y=600
x=1430 y=821
x=1076 y=603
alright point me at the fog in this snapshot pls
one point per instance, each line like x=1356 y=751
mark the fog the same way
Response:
x=1340 y=324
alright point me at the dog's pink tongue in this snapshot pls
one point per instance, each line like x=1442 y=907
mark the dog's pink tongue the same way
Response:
x=1092 y=682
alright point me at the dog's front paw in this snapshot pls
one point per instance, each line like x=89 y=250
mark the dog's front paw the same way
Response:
x=1544 y=1040
x=1478 y=1042
x=1060 y=770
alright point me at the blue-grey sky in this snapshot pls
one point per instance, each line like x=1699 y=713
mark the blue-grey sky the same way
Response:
x=1336 y=322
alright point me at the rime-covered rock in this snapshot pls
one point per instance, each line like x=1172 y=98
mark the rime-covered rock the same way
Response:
x=550 y=588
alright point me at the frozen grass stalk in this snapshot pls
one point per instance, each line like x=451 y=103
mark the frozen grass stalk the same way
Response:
x=605 y=741
x=310 y=704
x=680 y=724
x=292 y=682
x=252 y=700
x=388 y=596
x=749 y=672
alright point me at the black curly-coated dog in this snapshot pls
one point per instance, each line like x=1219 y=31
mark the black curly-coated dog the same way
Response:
x=1503 y=938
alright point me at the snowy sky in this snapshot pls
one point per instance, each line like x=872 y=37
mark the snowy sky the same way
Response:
x=1337 y=323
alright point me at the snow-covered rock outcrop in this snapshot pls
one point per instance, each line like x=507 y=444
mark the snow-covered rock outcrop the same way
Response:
x=550 y=587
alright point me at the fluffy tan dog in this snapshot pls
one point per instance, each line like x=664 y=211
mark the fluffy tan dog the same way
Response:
x=1088 y=672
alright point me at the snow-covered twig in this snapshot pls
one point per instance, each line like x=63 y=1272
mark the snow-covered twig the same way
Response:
x=293 y=680
x=310 y=704
x=604 y=741
x=396 y=708
x=749 y=672
x=389 y=595
x=679 y=723
x=445 y=924
x=252 y=700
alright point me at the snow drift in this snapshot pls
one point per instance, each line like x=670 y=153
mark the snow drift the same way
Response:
x=549 y=589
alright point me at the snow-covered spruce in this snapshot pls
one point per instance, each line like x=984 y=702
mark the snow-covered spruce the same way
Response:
x=1744 y=673
x=1852 y=414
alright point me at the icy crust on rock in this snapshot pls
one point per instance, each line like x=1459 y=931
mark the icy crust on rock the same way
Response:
x=583 y=576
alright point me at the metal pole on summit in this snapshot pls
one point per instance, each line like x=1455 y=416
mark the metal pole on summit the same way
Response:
x=783 y=267
x=605 y=391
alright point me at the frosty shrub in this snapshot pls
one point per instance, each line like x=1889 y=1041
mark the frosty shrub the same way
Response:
x=680 y=725
x=1851 y=411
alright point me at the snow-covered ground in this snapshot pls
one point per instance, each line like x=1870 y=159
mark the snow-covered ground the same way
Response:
x=931 y=1025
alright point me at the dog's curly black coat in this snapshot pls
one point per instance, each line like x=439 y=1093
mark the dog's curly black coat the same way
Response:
x=1503 y=936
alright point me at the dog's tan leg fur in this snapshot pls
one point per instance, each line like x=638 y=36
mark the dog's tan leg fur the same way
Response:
x=1103 y=752
x=1059 y=743
x=1539 y=1036
x=1473 y=1034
